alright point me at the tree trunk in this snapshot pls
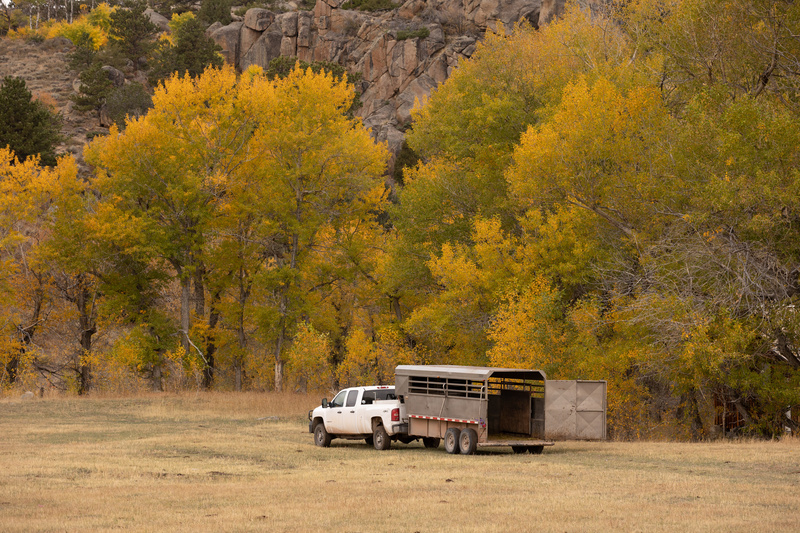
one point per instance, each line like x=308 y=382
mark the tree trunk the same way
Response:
x=26 y=333
x=85 y=302
x=279 y=350
x=158 y=385
x=185 y=317
x=211 y=347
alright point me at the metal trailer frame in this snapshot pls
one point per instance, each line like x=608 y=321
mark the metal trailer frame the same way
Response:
x=504 y=406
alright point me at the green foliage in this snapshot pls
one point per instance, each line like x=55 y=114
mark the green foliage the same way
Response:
x=421 y=33
x=212 y=11
x=132 y=100
x=406 y=158
x=191 y=53
x=369 y=5
x=95 y=87
x=27 y=126
x=131 y=31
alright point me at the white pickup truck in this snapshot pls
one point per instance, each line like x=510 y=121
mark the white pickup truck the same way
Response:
x=370 y=413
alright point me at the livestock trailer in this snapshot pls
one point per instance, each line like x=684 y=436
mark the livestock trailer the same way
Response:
x=472 y=407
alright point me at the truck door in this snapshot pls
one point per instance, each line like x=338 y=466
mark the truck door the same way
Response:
x=334 y=414
x=350 y=413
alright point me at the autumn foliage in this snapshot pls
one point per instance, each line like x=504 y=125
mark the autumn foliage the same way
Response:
x=613 y=196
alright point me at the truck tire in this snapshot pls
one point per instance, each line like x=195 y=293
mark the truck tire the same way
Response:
x=535 y=450
x=519 y=449
x=451 y=440
x=430 y=442
x=381 y=439
x=468 y=441
x=369 y=440
x=321 y=436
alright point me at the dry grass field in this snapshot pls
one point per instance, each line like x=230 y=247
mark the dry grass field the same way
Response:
x=227 y=462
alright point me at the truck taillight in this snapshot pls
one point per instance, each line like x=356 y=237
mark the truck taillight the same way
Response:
x=395 y=415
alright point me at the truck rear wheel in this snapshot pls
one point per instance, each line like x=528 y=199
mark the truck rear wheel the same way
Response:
x=451 y=440
x=321 y=436
x=535 y=450
x=468 y=441
x=430 y=442
x=519 y=449
x=381 y=439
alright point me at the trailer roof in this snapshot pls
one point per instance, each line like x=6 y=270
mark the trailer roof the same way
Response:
x=477 y=373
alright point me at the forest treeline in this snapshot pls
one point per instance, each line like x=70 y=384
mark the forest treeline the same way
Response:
x=613 y=196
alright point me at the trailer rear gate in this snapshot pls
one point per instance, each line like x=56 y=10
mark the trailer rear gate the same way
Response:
x=504 y=406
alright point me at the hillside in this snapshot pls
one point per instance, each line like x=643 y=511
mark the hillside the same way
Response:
x=47 y=75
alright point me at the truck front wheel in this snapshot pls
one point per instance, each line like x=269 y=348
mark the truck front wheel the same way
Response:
x=451 y=440
x=321 y=436
x=381 y=439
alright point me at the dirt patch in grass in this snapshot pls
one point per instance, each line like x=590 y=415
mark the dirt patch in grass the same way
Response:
x=247 y=462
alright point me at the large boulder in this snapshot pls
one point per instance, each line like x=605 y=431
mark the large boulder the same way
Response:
x=159 y=20
x=227 y=37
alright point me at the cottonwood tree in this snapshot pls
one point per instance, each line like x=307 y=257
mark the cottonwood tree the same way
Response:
x=254 y=165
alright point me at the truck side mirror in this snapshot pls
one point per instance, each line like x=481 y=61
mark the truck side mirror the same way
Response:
x=324 y=403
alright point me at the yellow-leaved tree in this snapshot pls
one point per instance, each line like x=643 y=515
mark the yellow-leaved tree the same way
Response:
x=227 y=185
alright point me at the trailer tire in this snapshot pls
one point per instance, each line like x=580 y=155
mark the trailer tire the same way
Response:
x=381 y=439
x=468 y=441
x=430 y=442
x=535 y=450
x=451 y=440
x=321 y=436
x=519 y=449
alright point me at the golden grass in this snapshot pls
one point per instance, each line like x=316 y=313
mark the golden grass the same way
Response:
x=242 y=462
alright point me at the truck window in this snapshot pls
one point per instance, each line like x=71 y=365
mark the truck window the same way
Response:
x=385 y=394
x=339 y=400
x=351 y=398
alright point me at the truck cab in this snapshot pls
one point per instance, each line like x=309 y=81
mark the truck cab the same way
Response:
x=371 y=413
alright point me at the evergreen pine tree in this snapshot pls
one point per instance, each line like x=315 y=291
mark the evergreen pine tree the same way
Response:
x=192 y=53
x=95 y=87
x=26 y=125
x=131 y=30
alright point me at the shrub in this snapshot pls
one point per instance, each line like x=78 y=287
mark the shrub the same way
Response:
x=131 y=100
x=369 y=5
x=422 y=33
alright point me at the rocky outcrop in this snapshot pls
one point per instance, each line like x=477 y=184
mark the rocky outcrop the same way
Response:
x=402 y=55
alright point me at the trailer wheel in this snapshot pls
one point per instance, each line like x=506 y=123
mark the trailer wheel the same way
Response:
x=535 y=450
x=321 y=436
x=430 y=442
x=381 y=439
x=519 y=449
x=468 y=441
x=451 y=440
